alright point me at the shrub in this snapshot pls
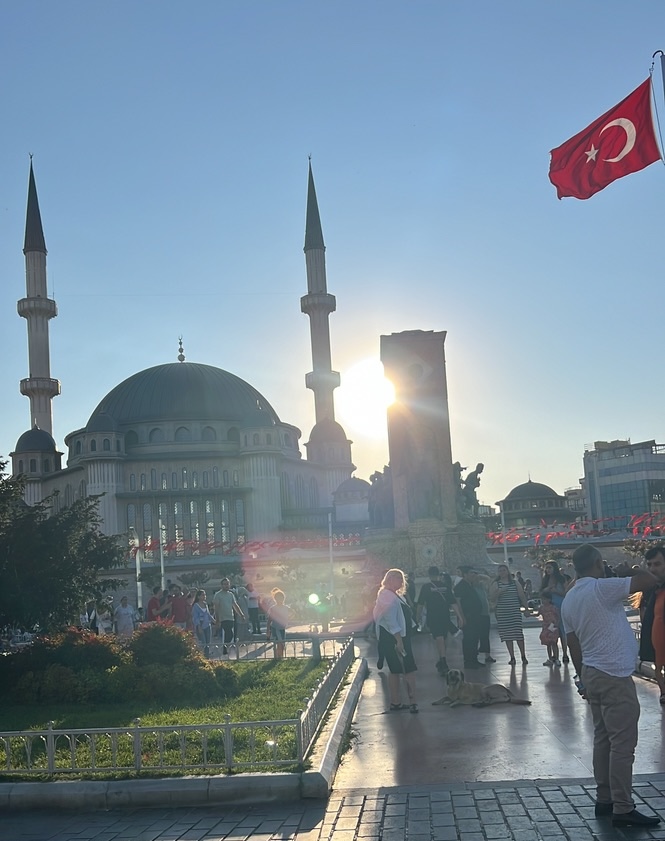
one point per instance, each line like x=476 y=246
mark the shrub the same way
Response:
x=158 y=643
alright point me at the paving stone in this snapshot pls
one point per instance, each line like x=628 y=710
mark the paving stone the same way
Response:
x=346 y=823
x=465 y=812
x=468 y=826
x=513 y=809
x=444 y=833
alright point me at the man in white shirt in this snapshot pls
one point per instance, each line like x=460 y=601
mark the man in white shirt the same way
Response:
x=604 y=650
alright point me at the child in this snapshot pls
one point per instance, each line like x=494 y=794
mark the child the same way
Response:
x=279 y=615
x=549 y=635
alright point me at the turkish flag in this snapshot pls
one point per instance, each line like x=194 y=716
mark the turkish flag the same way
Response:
x=618 y=143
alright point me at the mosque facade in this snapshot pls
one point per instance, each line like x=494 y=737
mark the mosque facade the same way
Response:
x=189 y=457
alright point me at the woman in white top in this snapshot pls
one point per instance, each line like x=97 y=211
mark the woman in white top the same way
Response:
x=394 y=622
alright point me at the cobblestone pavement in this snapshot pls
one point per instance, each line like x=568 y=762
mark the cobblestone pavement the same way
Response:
x=514 y=811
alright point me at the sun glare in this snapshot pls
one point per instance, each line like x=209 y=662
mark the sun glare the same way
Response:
x=363 y=397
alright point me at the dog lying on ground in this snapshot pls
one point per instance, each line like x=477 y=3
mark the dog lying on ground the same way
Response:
x=476 y=694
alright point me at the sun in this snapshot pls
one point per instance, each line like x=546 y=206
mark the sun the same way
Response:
x=363 y=398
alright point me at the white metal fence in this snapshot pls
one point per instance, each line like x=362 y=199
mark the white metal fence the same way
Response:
x=228 y=746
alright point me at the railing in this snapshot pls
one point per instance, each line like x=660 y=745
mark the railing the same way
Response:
x=229 y=746
x=304 y=645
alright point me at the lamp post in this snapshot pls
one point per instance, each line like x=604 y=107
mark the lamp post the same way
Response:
x=135 y=543
x=503 y=534
x=161 y=554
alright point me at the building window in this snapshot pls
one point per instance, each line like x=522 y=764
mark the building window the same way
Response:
x=147 y=530
x=244 y=438
x=233 y=435
x=287 y=439
x=208 y=434
x=153 y=479
x=47 y=466
x=132 y=482
x=156 y=436
x=182 y=433
x=20 y=466
x=215 y=477
x=83 y=489
x=225 y=533
x=194 y=532
x=131 y=439
x=174 y=481
x=210 y=523
x=77 y=448
x=178 y=529
x=131 y=516
x=236 y=479
x=195 y=479
x=165 y=482
x=240 y=521
x=143 y=482
x=117 y=445
x=93 y=446
x=185 y=479
x=106 y=445
x=225 y=478
x=163 y=526
x=255 y=439
x=204 y=478
x=268 y=439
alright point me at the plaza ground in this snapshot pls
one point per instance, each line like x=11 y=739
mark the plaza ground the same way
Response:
x=503 y=772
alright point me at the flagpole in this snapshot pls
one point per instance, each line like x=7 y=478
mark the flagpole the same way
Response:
x=662 y=70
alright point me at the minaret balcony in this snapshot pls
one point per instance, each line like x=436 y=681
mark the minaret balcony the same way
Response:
x=318 y=302
x=45 y=307
x=40 y=385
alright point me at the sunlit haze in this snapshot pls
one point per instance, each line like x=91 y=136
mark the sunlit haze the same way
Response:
x=170 y=145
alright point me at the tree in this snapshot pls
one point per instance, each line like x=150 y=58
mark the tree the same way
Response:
x=51 y=564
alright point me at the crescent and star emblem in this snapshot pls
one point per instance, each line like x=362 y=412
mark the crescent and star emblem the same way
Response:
x=631 y=135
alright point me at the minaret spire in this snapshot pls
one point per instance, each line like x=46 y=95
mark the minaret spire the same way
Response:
x=37 y=308
x=318 y=304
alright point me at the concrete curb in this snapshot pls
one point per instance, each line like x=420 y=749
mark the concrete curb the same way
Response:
x=90 y=795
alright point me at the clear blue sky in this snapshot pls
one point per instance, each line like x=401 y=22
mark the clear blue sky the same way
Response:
x=171 y=142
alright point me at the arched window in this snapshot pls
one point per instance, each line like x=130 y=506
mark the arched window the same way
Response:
x=33 y=465
x=240 y=521
x=185 y=480
x=204 y=478
x=153 y=479
x=147 y=529
x=195 y=479
x=208 y=434
x=313 y=493
x=255 y=438
x=165 y=482
x=69 y=494
x=236 y=478
x=131 y=516
x=163 y=514
x=233 y=435
x=93 y=446
x=131 y=439
x=178 y=529
x=183 y=434
x=210 y=523
x=143 y=483
x=83 y=489
x=268 y=439
x=106 y=445
x=77 y=448
x=215 y=477
x=132 y=482
x=225 y=478
x=117 y=445
x=194 y=531
x=47 y=466
x=174 y=481
x=225 y=531
x=156 y=435
x=287 y=439
x=20 y=465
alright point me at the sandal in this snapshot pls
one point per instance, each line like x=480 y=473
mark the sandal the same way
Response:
x=512 y=661
x=414 y=708
x=397 y=707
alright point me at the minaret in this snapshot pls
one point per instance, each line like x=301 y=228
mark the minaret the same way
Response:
x=37 y=308
x=318 y=304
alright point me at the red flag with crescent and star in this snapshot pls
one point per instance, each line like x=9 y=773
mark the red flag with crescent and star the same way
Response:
x=618 y=143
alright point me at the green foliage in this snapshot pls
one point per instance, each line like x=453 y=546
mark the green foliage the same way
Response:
x=50 y=565
x=163 y=644
x=196 y=578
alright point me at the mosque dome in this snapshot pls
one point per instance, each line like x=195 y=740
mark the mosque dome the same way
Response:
x=531 y=490
x=35 y=440
x=327 y=432
x=182 y=391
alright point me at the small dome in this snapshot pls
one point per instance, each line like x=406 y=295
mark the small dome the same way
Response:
x=531 y=490
x=328 y=432
x=354 y=485
x=35 y=440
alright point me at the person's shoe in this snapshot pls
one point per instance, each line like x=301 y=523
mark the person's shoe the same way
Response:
x=379 y=663
x=548 y=663
x=565 y=659
x=602 y=809
x=525 y=662
x=512 y=661
x=414 y=708
x=557 y=663
x=442 y=667
x=489 y=659
x=634 y=818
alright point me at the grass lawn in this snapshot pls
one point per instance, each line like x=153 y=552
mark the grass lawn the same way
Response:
x=268 y=690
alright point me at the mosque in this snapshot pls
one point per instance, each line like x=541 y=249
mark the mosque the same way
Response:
x=188 y=456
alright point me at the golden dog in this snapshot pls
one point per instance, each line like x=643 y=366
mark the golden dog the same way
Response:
x=476 y=694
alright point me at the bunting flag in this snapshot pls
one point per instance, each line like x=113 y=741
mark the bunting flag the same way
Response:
x=618 y=143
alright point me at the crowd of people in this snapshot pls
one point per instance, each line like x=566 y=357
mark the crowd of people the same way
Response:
x=235 y=613
x=584 y=614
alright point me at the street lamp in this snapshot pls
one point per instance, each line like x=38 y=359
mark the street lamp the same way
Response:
x=135 y=543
